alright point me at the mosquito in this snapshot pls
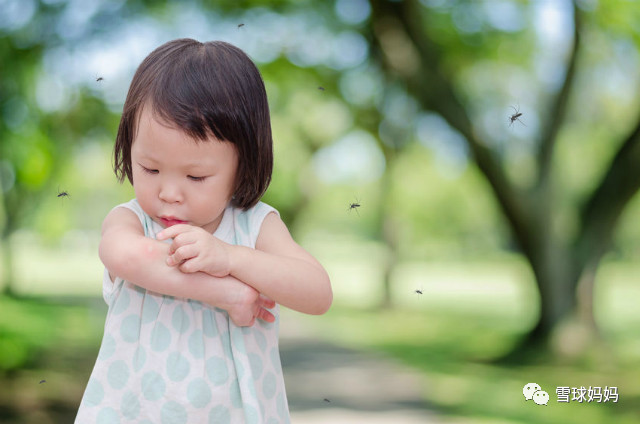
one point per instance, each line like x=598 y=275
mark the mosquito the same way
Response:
x=327 y=400
x=418 y=291
x=516 y=116
x=240 y=26
x=321 y=88
x=354 y=206
x=63 y=194
x=42 y=381
x=99 y=79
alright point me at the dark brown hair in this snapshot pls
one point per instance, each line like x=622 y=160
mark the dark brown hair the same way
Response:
x=204 y=89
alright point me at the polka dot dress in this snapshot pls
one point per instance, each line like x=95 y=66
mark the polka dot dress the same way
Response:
x=166 y=360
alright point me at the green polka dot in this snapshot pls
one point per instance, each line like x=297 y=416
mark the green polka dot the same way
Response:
x=150 y=309
x=177 y=366
x=173 y=413
x=252 y=390
x=261 y=341
x=153 y=386
x=160 y=338
x=195 y=305
x=196 y=344
x=180 y=320
x=236 y=396
x=118 y=374
x=275 y=360
x=122 y=303
x=269 y=385
x=217 y=370
x=130 y=328
x=198 y=393
x=237 y=340
x=225 y=339
x=255 y=362
x=251 y=415
x=107 y=416
x=93 y=394
x=282 y=407
x=209 y=323
x=139 y=358
x=130 y=406
x=108 y=347
x=239 y=368
x=219 y=415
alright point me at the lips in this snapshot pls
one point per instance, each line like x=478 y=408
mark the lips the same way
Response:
x=168 y=221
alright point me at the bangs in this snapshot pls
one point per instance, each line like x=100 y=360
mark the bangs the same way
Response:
x=204 y=89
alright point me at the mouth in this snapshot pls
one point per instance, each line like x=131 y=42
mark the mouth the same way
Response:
x=169 y=221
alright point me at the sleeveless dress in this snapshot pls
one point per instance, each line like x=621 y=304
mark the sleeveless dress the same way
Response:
x=168 y=360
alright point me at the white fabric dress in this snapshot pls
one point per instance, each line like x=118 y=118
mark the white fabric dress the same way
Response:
x=167 y=360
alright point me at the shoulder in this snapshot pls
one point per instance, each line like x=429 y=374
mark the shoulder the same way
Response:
x=259 y=211
x=273 y=233
x=250 y=221
x=123 y=216
x=275 y=238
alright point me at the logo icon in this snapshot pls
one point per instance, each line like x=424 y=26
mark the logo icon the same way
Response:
x=535 y=392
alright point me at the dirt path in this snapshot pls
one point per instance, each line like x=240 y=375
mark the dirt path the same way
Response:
x=330 y=384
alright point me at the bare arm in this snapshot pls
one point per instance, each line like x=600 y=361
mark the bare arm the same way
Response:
x=128 y=254
x=278 y=267
x=282 y=270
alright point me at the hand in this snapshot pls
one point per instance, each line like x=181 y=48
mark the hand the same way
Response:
x=194 y=249
x=250 y=305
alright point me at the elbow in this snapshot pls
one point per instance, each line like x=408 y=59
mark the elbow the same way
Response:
x=324 y=300
x=121 y=259
x=324 y=307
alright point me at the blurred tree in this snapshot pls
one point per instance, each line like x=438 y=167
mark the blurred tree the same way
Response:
x=462 y=60
x=40 y=121
x=419 y=46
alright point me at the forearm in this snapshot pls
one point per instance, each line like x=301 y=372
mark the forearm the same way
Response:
x=291 y=282
x=142 y=261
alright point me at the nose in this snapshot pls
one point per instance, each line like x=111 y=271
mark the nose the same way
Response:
x=170 y=192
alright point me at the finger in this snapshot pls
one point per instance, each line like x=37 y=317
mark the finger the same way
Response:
x=181 y=240
x=173 y=231
x=265 y=302
x=188 y=267
x=265 y=315
x=181 y=254
x=247 y=323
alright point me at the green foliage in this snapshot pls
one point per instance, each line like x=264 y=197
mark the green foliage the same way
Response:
x=29 y=328
x=490 y=62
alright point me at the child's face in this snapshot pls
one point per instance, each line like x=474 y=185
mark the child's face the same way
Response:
x=179 y=180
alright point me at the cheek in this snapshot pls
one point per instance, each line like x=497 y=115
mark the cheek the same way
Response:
x=142 y=188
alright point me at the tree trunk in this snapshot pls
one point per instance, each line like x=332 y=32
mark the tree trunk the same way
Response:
x=7 y=268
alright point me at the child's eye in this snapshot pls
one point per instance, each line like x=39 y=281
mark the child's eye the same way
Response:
x=149 y=171
x=192 y=178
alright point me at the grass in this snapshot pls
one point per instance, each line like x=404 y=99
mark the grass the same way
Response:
x=47 y=351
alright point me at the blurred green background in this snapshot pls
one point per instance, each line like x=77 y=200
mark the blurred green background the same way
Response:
x=489 y=250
